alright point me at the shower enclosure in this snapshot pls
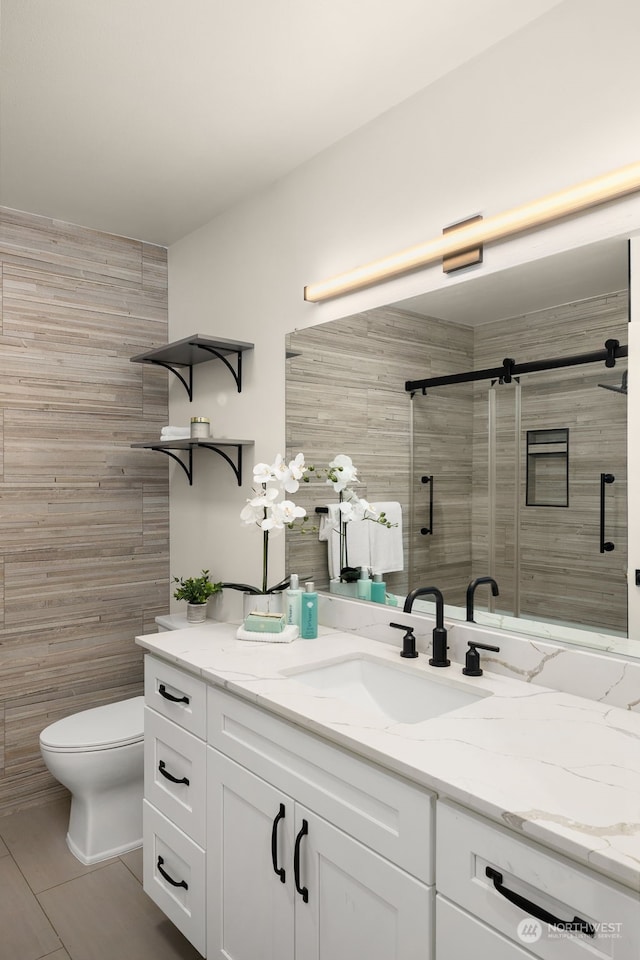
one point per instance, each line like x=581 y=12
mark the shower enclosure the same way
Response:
x=523 y=478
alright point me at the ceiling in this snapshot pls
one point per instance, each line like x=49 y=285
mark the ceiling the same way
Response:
x=147 y=118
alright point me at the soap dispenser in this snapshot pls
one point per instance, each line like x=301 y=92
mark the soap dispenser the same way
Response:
x=378 y=589
x=309 y=621
x=293 y=599
x=363 y=585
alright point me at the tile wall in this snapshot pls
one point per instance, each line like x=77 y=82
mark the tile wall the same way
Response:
x=83 y=517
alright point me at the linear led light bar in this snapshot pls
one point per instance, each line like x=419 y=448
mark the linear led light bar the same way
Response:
x=610 y=186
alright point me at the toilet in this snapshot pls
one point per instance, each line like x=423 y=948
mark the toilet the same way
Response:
x=97 y=755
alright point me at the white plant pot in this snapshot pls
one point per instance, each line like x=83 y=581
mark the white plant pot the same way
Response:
x=196 y=612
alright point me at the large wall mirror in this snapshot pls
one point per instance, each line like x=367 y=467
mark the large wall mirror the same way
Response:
x=524 y=481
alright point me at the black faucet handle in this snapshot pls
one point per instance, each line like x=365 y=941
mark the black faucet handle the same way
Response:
x=472 y=660
x=408 y=641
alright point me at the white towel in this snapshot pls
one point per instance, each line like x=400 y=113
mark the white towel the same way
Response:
x=175 y=433
x=358 y=553
x=385 y=543
x=289 y=633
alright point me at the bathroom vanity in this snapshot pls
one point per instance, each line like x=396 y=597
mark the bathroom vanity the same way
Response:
x=326 y=799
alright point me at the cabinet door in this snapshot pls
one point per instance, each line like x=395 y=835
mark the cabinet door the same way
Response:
x=250 y=828
x=358 y=905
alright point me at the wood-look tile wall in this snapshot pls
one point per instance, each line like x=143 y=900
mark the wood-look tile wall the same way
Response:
x=84 y=519
x=345 y=394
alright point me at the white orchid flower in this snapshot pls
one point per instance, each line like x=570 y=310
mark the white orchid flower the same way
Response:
x=262 y=473
x=255 y=509
x=342 y=472
x=287 y=512
x=289 y=475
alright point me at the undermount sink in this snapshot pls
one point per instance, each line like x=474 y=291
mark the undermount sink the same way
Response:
x=394 y=692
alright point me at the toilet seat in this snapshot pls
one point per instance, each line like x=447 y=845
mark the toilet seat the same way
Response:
x=99 y=728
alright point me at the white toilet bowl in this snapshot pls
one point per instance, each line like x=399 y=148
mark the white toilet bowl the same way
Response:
x=97 y=755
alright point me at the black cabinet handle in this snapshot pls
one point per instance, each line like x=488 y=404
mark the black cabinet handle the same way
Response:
x=605 y=545
x=425 y=530
x=304 y=893
x=274 y=843
x=174 y=883
x=162 y=690
x=575 y=926
x=162 y=767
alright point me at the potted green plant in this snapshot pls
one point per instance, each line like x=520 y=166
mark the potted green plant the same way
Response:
x=196 y=591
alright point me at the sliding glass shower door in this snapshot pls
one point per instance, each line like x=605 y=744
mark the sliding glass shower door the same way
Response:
x=526 y=482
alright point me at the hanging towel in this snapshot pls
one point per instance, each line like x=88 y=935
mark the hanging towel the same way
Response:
x=357 y=535
x=385 y=543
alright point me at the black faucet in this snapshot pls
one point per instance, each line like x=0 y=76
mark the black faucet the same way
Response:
x=471 y=589
x=439 y=658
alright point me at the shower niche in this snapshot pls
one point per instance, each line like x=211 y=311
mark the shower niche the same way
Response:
x=548 y=468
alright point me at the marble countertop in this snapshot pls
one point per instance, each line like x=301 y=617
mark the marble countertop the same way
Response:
x=559 y=769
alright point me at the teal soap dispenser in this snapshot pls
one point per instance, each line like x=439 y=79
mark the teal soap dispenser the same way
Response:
x=309 y=618
x=378 y=589
x=293 y=598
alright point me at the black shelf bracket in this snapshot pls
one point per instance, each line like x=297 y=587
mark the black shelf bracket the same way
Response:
x=169 y=447
x=187 y=384
x=237 y=466
x=237 y=373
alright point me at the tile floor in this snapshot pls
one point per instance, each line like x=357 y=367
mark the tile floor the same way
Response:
x=54 y=908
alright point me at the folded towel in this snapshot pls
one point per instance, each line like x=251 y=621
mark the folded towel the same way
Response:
x=289 y=633
x=385 y=543
x=175 y=433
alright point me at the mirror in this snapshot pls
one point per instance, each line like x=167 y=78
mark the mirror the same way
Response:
x=548 y=437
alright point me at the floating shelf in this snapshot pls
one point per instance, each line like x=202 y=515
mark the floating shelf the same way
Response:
x=168 y=446
x=196 y=349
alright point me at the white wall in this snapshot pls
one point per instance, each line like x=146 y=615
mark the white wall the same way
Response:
x=547 y=108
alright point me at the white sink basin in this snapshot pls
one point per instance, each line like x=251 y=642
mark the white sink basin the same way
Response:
x=394 y=692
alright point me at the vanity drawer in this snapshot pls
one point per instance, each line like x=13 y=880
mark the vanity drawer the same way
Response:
x=459 y=935
x=383 y=811
x=177 y=695
x=467 y=845
x=175 y=773
x=174 y=875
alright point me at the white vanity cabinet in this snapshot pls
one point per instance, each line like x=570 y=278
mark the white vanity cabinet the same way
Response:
x=174 y=810
x=296 y=829
x=503 y=897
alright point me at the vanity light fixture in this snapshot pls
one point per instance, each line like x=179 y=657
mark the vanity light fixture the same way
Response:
x=590 y=193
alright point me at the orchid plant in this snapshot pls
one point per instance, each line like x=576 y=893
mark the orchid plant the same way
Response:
x=340 y=473
x=272 y=510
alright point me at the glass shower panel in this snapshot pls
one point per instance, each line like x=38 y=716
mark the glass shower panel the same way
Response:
x=564 y=576
x=442 y=458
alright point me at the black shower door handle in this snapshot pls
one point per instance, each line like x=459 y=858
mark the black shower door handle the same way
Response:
x=605 y=545
x=425 y=530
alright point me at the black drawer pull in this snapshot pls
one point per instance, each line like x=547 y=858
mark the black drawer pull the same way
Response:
x=304 y=893
x=162 y=767
x=162 y=690
x=274 y=844
x=574 y=926
x=174 y=883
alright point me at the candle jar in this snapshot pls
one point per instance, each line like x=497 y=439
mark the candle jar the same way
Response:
x=200 y=428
